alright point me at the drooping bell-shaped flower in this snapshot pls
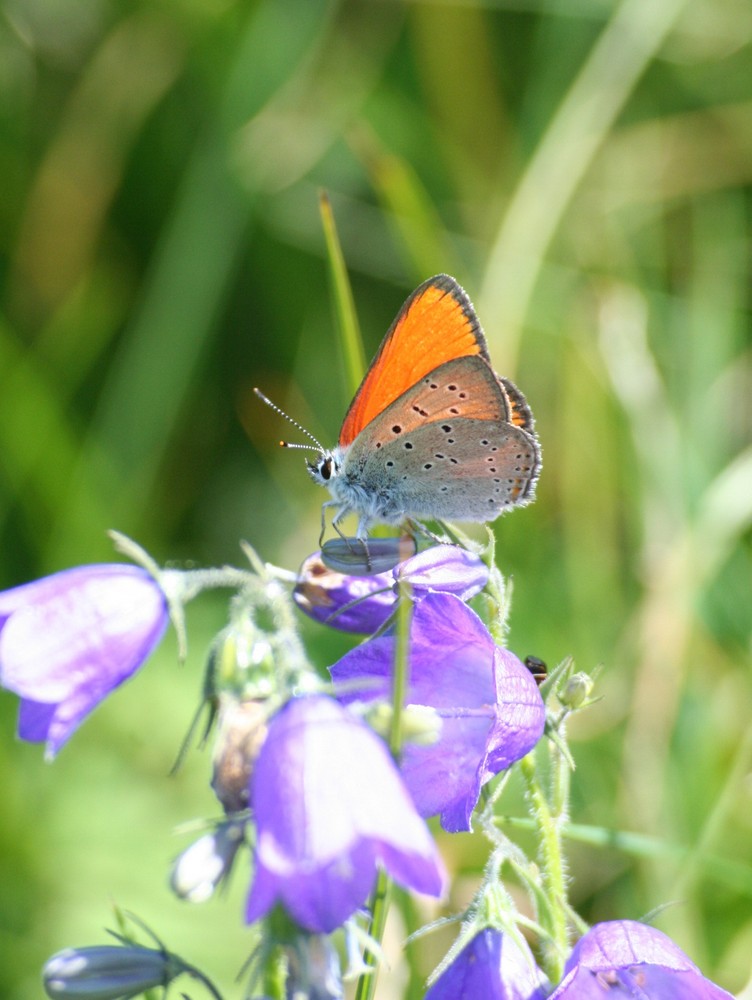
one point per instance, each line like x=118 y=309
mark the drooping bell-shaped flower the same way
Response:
x=68 y=640
x=359 y=604
x=362 y=604
x=330 y=808
x=491 y=709
x=625 y=959
x=491 y=966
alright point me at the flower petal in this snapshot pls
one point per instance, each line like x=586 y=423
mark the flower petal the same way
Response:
x=78 y=624
x=624 y=958
x=445 y=569
x=67 y=640
x=34 y=720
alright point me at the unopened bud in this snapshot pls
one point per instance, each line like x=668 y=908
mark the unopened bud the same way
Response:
x=107 y=972
x=242 y=661
x=204 y=865
x=313 y=969
x=349 y=603
x=576 y=691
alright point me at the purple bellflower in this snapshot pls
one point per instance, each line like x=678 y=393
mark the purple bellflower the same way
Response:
x=329 y=807
x=623 y=958
x=359 y=604
x=492 y=966
x=68 y=640
x=491 y=710
x=363 y=604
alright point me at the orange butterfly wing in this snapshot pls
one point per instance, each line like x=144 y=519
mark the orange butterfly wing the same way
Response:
x=436 y=324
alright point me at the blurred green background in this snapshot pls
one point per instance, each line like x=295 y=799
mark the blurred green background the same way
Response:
x=583 y=168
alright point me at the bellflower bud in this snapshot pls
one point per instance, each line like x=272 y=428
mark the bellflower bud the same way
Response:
x=576 y=691
x=204 y=865
x=107 y=972
x=358 y=603
x=241 y=734
x=313 y=969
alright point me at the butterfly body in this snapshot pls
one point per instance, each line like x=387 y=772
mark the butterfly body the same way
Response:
x=433 y=433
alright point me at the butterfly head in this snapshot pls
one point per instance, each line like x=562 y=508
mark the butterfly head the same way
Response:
x=325 y=468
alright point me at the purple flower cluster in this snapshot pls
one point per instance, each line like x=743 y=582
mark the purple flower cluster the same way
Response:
x=489 y=705
x=620 y=958
x=329 y=804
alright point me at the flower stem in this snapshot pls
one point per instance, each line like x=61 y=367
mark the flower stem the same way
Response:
x=379 y=909
x=553 y=874
x=401 y=666
x=275 y=974
x=382 y=892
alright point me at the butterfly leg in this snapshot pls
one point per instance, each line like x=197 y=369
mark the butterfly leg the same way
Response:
x=341 y=512
x=359 y=537
x=414 y=528
x=362 y=536
x=338 y=515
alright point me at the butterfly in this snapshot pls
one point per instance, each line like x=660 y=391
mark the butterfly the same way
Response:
x=433 y=433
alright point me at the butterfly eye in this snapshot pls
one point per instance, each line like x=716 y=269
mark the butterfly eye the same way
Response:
x=325 y=469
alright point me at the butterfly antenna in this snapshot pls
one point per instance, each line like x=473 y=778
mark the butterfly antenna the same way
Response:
x=300 y=427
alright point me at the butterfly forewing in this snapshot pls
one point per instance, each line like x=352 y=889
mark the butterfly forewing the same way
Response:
x=436 y=324
x=465 y=387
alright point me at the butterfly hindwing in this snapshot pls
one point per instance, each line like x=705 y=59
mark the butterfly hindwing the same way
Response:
x=447 y=448
x=468 y=470
x=520 y=413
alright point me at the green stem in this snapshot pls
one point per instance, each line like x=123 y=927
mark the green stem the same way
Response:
x=275 y=975
x=379 y=909
x=553 y=877
x=561 y=780
x=382 y=892
x=401 y=666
